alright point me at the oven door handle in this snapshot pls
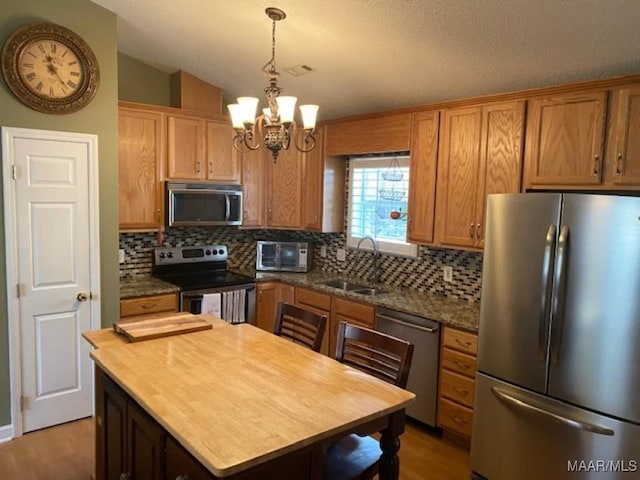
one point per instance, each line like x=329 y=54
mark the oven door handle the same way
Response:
x=227 y=204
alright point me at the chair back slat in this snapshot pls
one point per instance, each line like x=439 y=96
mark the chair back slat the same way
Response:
x=300 y=325
x=376 y=353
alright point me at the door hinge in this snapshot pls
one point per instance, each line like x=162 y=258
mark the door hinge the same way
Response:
x=18 y=290
x=14 y=172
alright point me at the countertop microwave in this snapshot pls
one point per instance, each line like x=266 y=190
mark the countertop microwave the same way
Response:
x=202 y=204
x=284 y=256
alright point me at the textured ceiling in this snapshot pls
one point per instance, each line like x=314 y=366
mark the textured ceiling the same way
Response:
x=373 y=55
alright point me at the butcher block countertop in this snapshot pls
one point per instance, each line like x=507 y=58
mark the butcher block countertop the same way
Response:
x=236 y=396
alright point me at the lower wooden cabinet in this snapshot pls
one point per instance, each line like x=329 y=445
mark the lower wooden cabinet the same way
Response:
x=132 y=442
x=269 y=294
x=182 y=465
x=343 y=310
x=130 y=307
x=319 y=303
x=457 y=381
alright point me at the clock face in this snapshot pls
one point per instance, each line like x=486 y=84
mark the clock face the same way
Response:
x=50 y=68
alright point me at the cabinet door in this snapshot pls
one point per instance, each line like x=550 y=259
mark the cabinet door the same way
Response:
x=565 y=135
x=627 y=144
x=313 y=183
x=422 y=177
x=181 y=464
x=500 y=156
x=145 y=440
x=254 y=167
x=268 y=297
x=140 y=169
x=284 y=208
x=222 y=158
x=458 y=165
x=114 y=411
x=185 y=147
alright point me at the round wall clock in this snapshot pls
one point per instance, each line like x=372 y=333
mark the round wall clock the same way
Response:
x=50 y=68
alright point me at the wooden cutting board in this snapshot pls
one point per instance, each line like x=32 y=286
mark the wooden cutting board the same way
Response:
x=157 y=327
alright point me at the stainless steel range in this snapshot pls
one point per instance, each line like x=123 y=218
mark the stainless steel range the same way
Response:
x=206 y=286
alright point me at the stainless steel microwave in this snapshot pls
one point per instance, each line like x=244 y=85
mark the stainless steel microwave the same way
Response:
x=284 y=256
x=201 y=204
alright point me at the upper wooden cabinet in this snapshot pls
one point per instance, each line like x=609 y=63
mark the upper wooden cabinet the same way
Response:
x=297 y=191
x=565 y=139
x=140 y=169
x=480 y=154
x=389 y=133
x=323 y=184
x=199 y=149
x=422 y=177
x=623 y=152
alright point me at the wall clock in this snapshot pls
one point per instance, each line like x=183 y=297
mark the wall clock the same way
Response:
x=50 y=68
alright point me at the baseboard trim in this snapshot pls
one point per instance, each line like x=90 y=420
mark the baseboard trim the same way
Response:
x=6 y=433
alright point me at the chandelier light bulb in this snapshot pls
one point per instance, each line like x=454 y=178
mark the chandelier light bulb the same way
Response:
x=286 y=108
x=237 y=116
x=249 y=106
x=309 y=115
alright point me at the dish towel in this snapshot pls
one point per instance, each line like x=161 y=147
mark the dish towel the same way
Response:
x=211 y=303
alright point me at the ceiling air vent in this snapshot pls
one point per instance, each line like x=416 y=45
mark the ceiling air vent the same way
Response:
x=299 y=70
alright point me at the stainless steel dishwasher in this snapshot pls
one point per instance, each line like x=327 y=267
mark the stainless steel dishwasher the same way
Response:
x=423 y=376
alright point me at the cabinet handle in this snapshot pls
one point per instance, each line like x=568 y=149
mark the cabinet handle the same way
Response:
x=147 y=306
x=596 y=165
x=198 y=166
x=182 y=477
x=458 y=420
x=619 y=165
x=461 y=391
x=158 y=215
x=461 y=365
x=210 y=168
x=463 y=344
x=477 y=231
x=125 y=476
x=471 y=229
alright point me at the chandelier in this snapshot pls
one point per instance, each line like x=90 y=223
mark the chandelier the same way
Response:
x=276 y=125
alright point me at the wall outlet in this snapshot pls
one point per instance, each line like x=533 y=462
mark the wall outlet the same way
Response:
x=121 y=255
x=323 y=251
x=341 y=255
x=447 y=273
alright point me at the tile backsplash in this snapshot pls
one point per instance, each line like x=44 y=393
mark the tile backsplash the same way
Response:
x=423 y=273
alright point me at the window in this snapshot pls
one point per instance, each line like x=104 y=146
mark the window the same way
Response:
x=378 y=193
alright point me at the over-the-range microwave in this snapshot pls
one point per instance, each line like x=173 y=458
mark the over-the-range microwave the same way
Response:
x=284 y=256
x=201 y=204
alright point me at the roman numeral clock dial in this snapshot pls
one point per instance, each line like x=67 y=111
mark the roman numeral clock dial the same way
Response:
x=50 y=68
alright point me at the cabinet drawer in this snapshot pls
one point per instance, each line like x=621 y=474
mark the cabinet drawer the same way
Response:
x=361 y=314
x=458 y=362
x=456 y=387
x=313 y=299
x=455 y=417
x=461 y=341
x=151 y=304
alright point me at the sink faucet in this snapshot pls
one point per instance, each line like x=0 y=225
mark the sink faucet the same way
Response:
x=373 y=278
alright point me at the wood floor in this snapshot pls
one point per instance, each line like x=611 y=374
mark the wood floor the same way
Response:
x=65 y=452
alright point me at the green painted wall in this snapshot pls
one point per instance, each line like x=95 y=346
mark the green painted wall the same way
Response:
x=139 y=82
x=98 y=27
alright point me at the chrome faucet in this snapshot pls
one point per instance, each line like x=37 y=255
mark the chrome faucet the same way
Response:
x=373 y=278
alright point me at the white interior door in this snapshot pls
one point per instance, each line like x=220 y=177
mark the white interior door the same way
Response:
x=55 y=225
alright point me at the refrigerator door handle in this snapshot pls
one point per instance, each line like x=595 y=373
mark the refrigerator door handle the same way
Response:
x=558 y=294
x=510 y=400
x=545 y=306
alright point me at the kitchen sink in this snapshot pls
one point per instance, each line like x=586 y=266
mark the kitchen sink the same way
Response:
x=353 y=287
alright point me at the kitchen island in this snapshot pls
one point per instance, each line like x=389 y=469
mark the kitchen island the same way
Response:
x=233 y=402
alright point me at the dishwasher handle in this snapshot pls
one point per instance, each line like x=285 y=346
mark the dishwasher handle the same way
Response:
x=406 y=324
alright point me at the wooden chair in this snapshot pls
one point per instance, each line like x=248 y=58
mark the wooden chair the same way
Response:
x=383 y=356
x=300 y=325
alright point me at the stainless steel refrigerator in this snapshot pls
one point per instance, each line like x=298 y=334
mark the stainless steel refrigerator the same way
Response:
x=558 y=381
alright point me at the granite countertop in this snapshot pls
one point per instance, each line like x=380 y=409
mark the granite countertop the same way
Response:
x=448 y=311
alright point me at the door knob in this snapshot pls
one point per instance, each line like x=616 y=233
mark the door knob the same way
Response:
x=82 y=297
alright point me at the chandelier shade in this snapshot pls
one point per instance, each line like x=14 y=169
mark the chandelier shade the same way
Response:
x=275 y=126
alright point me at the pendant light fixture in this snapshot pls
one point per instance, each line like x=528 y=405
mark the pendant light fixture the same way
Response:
x=276 y=125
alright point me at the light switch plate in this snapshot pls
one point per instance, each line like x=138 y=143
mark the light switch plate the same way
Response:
x=121 y=255
x=341 y=255
x=447 y=273
x=323 y=251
